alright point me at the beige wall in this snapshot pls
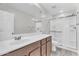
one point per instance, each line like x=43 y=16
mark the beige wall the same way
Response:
x=22 y=21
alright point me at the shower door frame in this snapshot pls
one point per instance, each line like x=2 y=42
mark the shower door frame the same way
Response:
x=76 y=33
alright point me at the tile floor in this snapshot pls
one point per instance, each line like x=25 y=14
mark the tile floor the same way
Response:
x=63 y=52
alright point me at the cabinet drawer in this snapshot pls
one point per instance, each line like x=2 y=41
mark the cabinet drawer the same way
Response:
x=18 y=52
x=43 y=41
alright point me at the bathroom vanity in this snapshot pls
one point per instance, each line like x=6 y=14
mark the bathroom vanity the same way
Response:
x=41 y=46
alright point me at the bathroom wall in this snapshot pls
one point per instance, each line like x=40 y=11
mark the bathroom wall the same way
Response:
x=77 y=5
x=45 y=26
x=78 y=32
x=22 y=21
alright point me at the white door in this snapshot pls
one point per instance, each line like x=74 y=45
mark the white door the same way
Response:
x=6 y=25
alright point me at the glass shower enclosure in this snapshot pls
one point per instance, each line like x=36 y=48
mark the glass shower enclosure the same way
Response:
x=64 y=31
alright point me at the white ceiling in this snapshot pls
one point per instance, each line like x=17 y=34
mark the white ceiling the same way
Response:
x=27 y=8
x=55 y=8
x=45 y=8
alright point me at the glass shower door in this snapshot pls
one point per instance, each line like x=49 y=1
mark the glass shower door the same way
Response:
x=70 y=33
x=64 y=31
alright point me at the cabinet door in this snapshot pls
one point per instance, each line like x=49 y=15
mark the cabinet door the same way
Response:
x=35 y=52
x=32 y=47
x=44 y=50
x=19 y=52
x=49 y=48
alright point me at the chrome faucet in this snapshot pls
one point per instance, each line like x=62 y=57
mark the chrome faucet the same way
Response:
x=17 y=38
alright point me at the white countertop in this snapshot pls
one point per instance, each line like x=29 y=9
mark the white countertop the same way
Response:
x=11 y=45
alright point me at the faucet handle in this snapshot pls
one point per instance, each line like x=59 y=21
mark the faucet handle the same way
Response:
x=12 y=33
x=17 y=37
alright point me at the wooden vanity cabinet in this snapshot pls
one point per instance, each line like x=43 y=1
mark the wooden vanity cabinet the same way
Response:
x=49 y=46
x=44 y=50
x=33 y=49
x=28 y=50
x=35 y=52
x=40 y=48
x=49 y=50
x=18 y=52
